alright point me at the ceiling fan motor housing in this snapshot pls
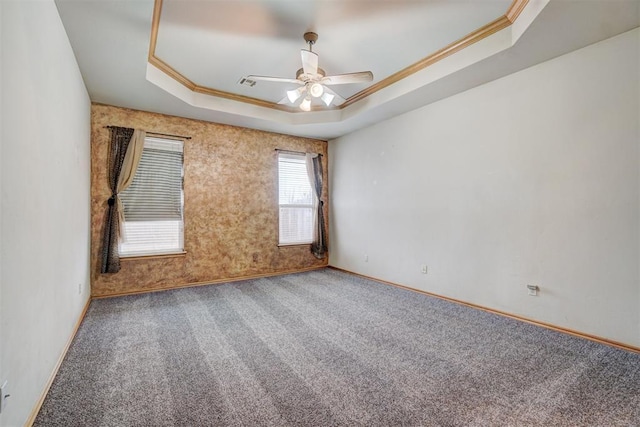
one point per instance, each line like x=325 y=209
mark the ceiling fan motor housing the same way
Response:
x=300 y=75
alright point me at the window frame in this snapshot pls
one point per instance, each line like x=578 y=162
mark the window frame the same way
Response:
x=301 y=157
x=171 y=252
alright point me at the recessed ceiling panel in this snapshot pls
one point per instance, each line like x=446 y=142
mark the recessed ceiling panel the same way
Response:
x=214 y=44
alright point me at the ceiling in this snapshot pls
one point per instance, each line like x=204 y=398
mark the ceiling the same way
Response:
x=185 y=57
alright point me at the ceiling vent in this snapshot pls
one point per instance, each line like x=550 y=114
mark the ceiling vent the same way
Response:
x=247 y=82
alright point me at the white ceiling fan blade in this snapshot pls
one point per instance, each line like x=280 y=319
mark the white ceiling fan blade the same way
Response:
x=309 y=61
x=335 y=100
x=341 y=79
x=284 y=101
x=269 y=79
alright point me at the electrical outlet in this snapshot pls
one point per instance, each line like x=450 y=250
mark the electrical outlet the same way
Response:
x=79 y=288
x=423 y=269
x=366 y=258
x=3 y=396
x=533 y=290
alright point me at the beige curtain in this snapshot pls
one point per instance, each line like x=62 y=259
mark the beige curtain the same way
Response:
x=128 y=171
x=122 y=165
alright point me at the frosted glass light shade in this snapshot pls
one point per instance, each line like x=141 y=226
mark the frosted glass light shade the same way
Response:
x=293 y=95
x=306 y=104
x=316 y=90
x=327 y=98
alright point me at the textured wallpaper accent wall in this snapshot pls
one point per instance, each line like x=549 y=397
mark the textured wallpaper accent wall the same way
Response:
x=230 y=204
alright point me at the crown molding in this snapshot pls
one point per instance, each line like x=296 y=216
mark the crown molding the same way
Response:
x=474 y=37
x=515 y=9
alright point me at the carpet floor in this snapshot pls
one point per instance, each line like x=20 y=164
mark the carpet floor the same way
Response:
x=326 y=348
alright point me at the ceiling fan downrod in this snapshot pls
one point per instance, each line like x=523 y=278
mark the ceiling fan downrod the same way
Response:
x=311 y=38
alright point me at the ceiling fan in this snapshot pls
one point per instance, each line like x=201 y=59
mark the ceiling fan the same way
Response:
x=312 y=80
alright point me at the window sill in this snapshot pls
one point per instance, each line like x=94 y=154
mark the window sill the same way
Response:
x=150 y=256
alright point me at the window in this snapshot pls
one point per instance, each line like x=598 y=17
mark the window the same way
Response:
x=296 y=200
x=153 y=202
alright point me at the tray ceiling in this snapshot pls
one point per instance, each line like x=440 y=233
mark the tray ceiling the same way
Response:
x=185 y=57
x=214 y=44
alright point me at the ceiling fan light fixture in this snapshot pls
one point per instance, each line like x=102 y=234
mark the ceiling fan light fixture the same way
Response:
x=312 y=80
x=293 y=95
x=316 y=90
x=306 y=104
x=327 y=98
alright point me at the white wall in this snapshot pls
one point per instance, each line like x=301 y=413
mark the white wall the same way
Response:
x=529 y=179
x=45 y=222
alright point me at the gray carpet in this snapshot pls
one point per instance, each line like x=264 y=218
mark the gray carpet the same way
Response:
x=326 y=348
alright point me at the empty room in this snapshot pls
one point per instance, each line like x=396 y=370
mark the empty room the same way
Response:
x=320 y=213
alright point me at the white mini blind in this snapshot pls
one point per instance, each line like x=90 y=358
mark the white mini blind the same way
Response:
x=153 y=203
x=296 y=200
x=156 y=191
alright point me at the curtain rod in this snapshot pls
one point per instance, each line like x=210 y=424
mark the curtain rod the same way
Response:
x=158 y=133
x=296 y=152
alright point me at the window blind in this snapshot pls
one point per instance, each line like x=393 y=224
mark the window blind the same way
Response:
x=156 y=191
x=154 y=200
x=152 y=237
x=296 y=200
